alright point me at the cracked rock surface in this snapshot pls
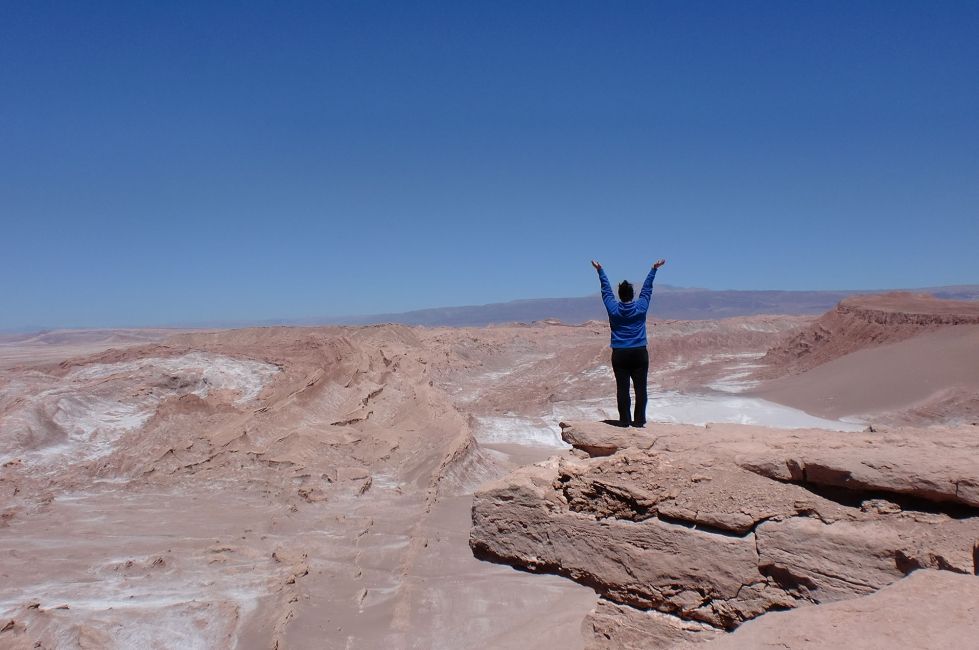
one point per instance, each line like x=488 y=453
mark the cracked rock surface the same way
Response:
x=715 y=526
x=928 y=609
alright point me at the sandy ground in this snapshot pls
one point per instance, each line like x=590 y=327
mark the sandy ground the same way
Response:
x=196 y=568
x=870 y=384
x=311 y=487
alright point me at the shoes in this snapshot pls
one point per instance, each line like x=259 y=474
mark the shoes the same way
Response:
x=639 y=425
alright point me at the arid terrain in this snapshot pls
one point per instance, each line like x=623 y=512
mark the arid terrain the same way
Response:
x=375 y=486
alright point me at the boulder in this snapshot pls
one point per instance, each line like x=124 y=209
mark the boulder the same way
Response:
x=604 y=439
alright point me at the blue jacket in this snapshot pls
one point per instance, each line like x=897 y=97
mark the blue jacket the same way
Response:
x=627 y=319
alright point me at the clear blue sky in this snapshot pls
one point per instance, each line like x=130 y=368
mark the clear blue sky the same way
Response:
x=166 y=162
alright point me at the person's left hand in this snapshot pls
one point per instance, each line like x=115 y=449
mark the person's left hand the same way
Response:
x=598 y=267
x=659 y=263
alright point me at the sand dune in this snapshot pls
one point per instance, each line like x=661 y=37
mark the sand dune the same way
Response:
x=57 y=345
x=893 y=382
x=863 y=322
x=898 y=358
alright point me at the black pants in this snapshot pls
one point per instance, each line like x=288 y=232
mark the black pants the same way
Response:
x=630 y=363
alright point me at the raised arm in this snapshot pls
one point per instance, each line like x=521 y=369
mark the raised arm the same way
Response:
x=647 y=286
x=611 y=304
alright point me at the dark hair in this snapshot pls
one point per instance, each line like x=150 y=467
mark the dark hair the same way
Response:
x=625 y=291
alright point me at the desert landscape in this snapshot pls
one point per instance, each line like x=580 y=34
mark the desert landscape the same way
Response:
x=376 y=486
x=318 y=322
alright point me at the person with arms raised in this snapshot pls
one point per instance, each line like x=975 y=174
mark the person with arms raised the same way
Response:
x=630 y=356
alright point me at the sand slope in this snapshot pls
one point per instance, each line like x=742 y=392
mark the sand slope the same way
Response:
x=893 y=358
x=933 y=377
x=866 y=321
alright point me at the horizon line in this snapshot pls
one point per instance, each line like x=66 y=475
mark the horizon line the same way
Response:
x=359 y=319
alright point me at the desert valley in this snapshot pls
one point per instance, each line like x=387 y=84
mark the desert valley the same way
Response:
x=400 y=486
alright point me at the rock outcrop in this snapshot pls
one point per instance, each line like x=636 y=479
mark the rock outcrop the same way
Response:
x=718 y=525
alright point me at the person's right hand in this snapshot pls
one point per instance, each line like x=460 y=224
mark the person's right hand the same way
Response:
x=598 y=267
x=659 y=263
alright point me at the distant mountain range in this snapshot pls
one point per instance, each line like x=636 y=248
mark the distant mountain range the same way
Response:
x=668 y=302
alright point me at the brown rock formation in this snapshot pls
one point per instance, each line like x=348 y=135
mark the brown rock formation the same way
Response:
x=611 y=626
x=705 y=526
x=934 y=465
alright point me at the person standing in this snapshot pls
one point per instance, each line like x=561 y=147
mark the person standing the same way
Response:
x=630 y=357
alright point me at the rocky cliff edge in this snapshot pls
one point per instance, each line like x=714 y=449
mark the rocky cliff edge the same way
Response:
x=686 y=532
